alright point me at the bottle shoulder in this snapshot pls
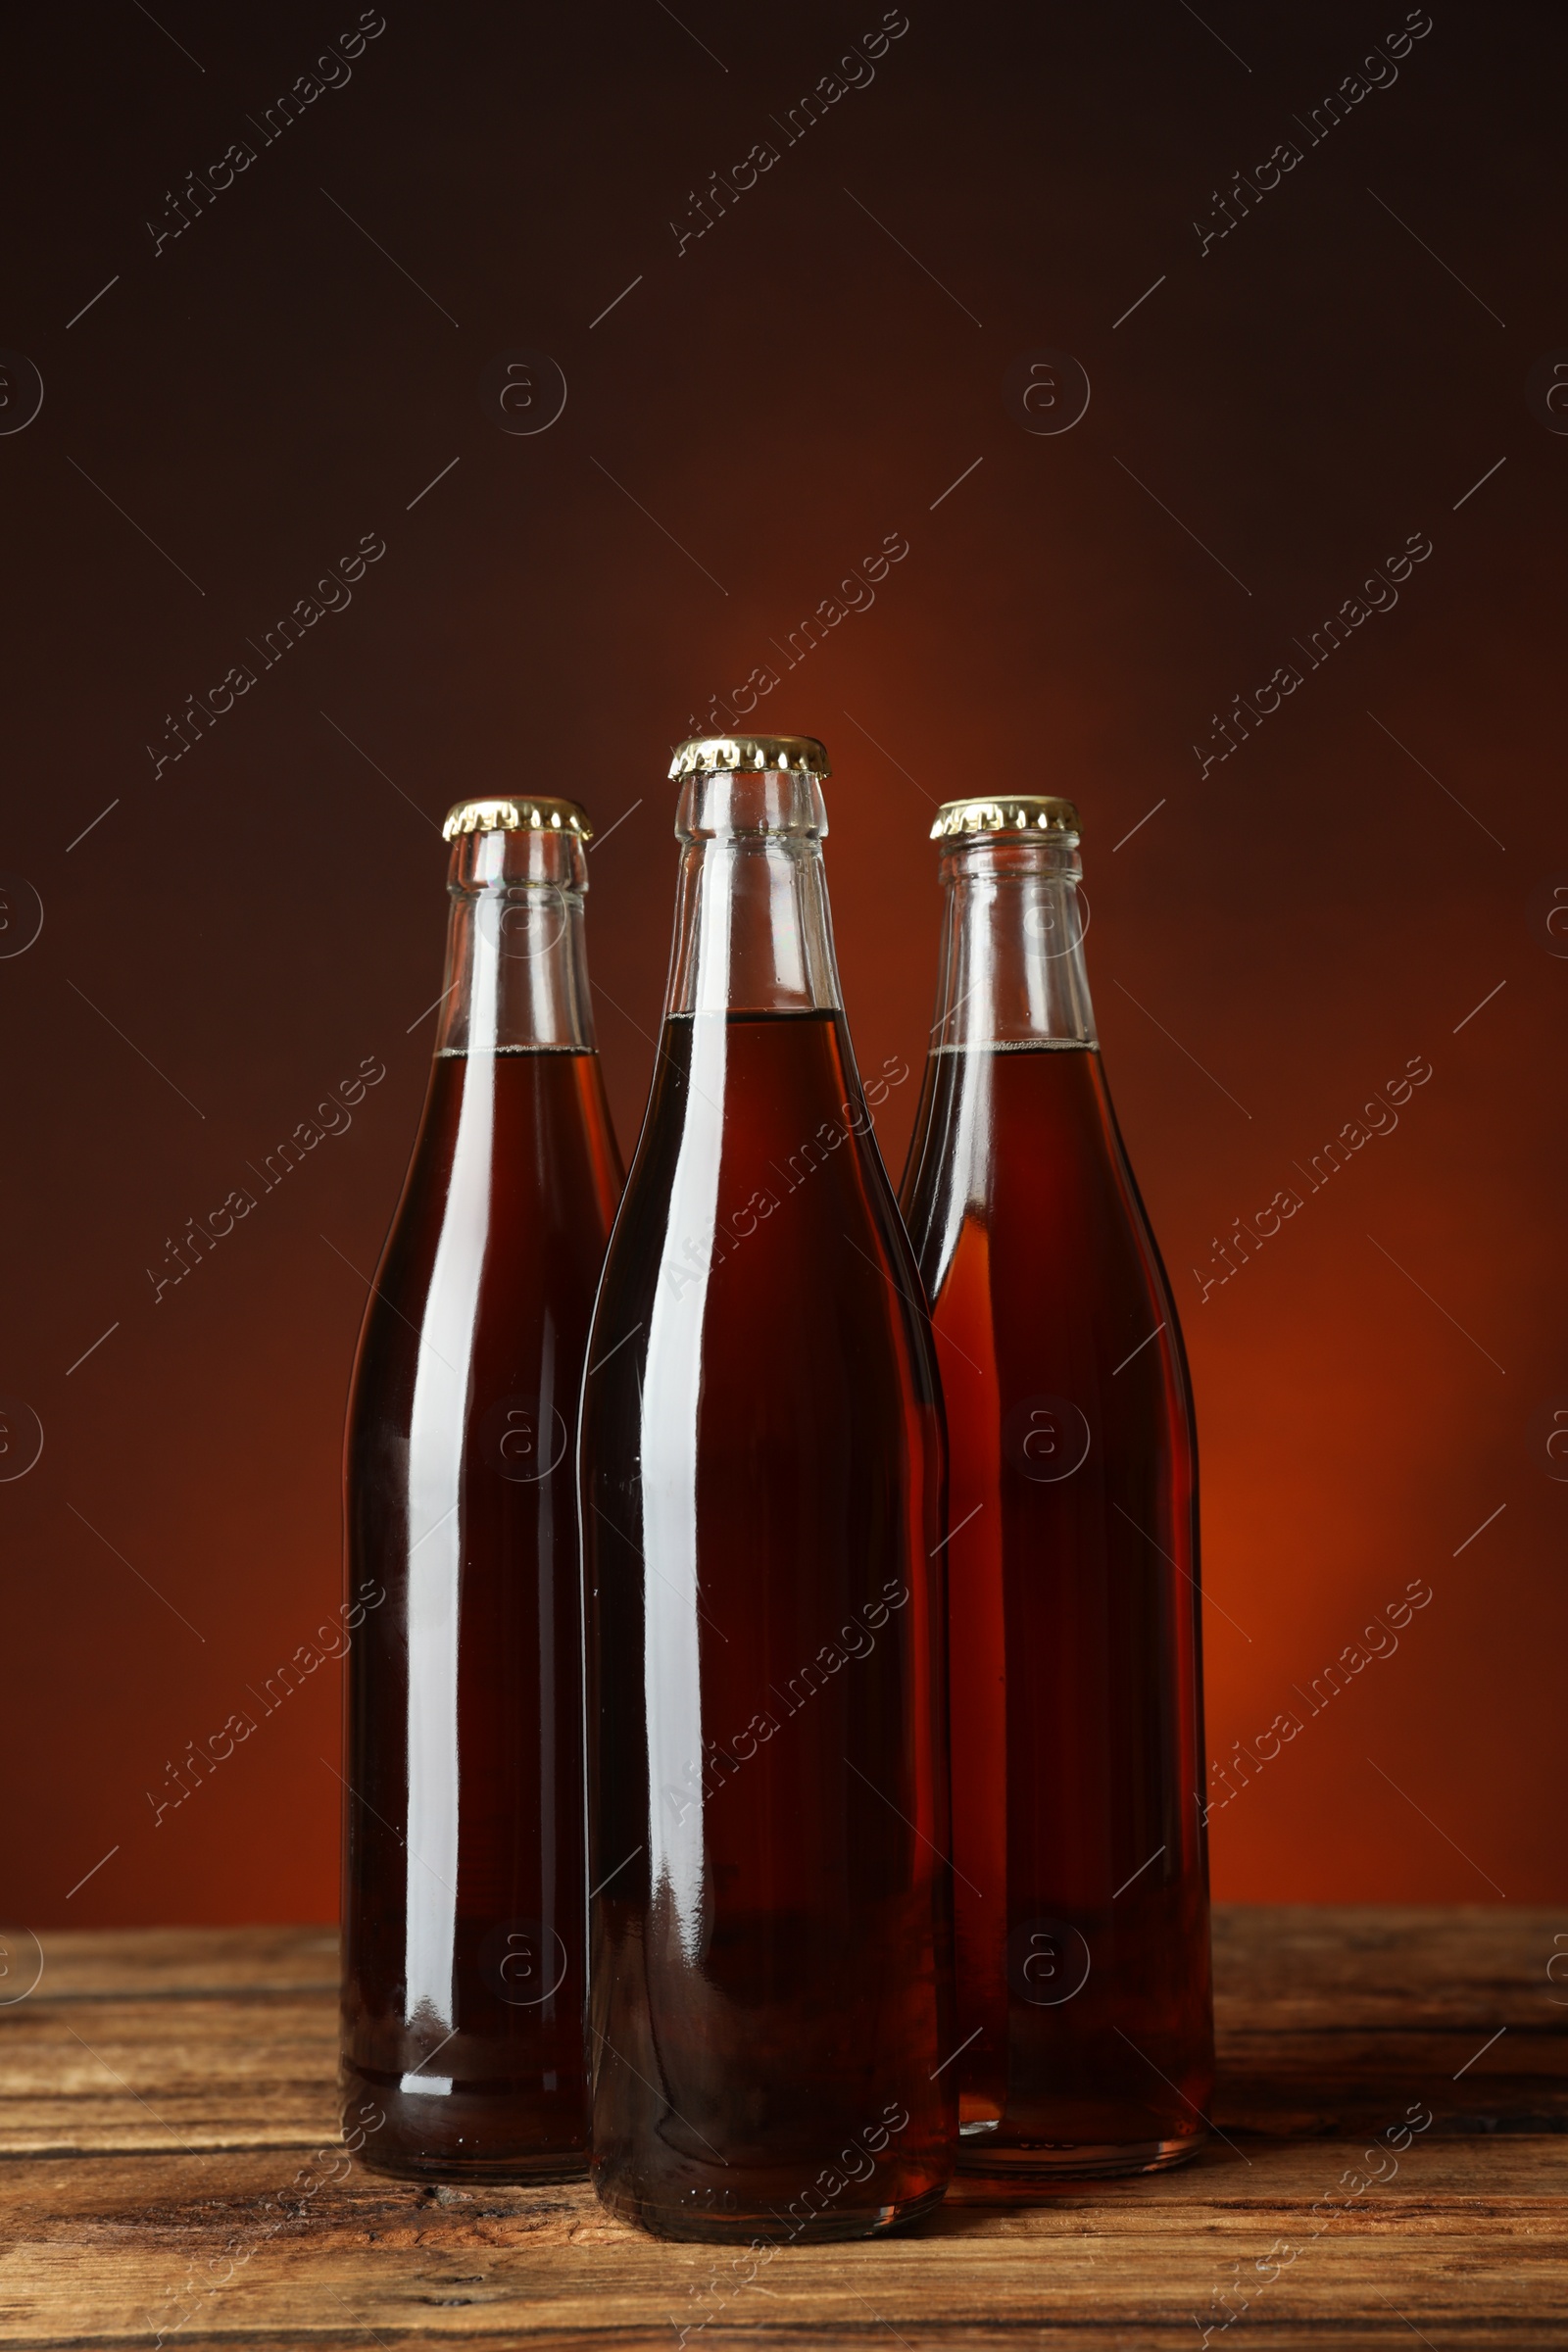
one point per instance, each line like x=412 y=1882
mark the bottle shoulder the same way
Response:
x=1018 y=1170
x=1020 y=1134
x=505 y=1210
x=758 y=1227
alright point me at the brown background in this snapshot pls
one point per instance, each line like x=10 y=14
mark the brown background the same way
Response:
x=234 y=936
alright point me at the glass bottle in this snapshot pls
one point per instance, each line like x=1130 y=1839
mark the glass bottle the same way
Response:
x=762 y=1478
x=1081 y=1878
x=464 y=1895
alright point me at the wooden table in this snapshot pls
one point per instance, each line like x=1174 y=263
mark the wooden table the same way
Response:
x=167 y=2130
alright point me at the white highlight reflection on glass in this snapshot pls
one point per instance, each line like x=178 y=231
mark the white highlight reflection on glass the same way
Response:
x=435 y=1528
x=670 y=1405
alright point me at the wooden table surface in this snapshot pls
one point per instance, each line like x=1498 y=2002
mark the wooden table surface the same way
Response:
x=167 y=2129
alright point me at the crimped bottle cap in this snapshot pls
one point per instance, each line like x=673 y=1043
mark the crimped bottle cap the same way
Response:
x=1033 y=813
x=708 y=755
x=539 y=812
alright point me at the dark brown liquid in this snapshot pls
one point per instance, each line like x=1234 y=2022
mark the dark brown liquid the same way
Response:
x=495 y=1817
x=762 y=1486
x=1077 y=1725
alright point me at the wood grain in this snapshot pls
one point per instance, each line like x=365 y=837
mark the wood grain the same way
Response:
x=167 y=2161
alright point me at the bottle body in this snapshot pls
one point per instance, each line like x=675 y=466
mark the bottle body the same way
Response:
x=762 y=1468
x=1080 y=1862
x=464 y=1961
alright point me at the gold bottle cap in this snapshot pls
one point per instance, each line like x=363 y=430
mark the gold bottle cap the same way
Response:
x=538 y=812
x=705 y=755
x=1033 y=813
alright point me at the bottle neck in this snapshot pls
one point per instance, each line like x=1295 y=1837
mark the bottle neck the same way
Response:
x=516 y=973
x=1012 y=970
x=751 y=927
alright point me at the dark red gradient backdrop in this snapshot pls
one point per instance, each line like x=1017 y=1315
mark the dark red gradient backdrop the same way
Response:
x=1363 y=881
